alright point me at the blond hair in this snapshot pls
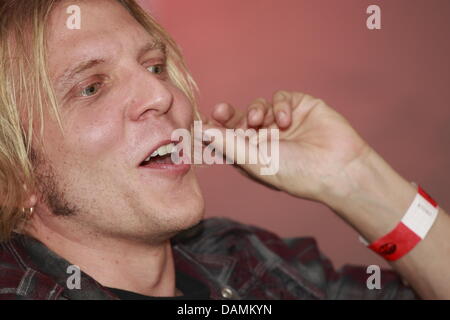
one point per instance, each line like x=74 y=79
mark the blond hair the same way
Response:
x=25 y=92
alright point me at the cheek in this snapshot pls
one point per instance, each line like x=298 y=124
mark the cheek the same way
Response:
x=92 y=138
x=89 y=136
x=182 y=107
x=96 y=137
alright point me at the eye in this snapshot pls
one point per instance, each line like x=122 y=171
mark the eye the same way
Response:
x=90 y=90
x=157 y=69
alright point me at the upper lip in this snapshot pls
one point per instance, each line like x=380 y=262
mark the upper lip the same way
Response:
x=154 y=148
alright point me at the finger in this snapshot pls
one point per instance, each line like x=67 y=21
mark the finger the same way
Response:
x=235 y=148
x=282 y=108
x=227 y=115
x=256 y=112
x=269 y=119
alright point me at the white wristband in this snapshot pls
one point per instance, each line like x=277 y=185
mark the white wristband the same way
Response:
x=416 y=222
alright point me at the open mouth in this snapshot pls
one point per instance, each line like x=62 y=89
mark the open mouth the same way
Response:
x=160 y=157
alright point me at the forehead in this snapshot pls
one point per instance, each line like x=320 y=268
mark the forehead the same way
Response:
x=107 y=28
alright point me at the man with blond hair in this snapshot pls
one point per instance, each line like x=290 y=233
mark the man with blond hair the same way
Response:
x=87 y=116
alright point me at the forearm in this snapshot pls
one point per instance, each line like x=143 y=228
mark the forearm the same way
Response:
x=373 y=201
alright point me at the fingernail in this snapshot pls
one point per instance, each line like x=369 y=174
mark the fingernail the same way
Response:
x=281 y=116
x=253 y=114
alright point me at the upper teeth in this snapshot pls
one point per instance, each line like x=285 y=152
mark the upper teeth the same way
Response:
x=162 y=151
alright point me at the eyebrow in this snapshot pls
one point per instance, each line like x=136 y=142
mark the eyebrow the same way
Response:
x=64 y=80
x=154 y=45
x=71 y=72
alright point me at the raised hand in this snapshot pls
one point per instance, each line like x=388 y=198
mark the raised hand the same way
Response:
x=317 y=145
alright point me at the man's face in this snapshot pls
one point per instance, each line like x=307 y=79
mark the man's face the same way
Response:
x=116 y=108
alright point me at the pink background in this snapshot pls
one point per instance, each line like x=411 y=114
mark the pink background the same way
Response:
x=392 y=84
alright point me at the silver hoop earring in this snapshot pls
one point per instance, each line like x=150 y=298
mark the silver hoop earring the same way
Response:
x=28 y=212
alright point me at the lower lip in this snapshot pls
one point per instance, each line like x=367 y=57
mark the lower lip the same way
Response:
x=169 y=169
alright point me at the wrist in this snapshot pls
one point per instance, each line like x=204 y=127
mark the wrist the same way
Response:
x=370 y=195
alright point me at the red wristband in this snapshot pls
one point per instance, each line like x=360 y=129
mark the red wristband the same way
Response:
x=411 y=229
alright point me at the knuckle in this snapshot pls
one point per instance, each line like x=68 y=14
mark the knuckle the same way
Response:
x=281 y=105
x=301 y=99
x=281 y=94
x=259 y=103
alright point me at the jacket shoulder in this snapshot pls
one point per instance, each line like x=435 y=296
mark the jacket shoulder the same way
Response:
x=18 y=280
x=11 y=272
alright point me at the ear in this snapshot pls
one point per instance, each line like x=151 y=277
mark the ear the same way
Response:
x=31 y=201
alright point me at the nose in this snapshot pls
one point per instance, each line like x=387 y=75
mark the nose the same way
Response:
x=150 y=97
